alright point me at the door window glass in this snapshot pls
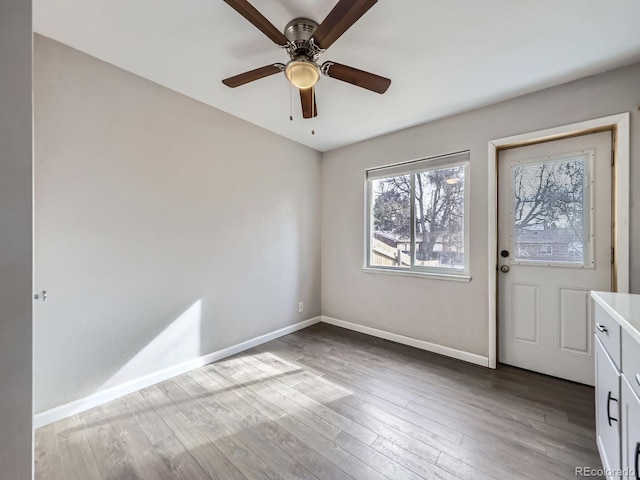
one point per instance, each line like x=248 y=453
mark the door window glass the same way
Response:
x=551 y=211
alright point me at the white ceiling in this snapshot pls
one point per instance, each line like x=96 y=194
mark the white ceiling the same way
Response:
x=443 y=57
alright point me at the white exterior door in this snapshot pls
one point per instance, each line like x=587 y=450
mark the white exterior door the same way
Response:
x=554 y=246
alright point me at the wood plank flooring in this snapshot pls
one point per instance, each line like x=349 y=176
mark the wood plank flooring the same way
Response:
x=328 y=403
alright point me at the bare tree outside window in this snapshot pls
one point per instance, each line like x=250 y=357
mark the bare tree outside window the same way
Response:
x=439 y=198
x=549 y=211
x=391 y=239
x=438 y=235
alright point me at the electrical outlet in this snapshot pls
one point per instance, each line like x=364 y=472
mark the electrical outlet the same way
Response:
x=300 y=307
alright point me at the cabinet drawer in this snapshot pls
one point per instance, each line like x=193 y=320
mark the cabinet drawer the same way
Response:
x=631 y=361
x=607 y=330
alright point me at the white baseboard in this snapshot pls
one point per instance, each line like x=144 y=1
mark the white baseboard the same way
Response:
x=95 y=399
x=412 y=342
x=72 y=408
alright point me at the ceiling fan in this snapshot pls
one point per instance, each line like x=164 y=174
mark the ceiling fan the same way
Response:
x=305 y=40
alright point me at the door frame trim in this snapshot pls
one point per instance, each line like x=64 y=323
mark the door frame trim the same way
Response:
x=619 y=126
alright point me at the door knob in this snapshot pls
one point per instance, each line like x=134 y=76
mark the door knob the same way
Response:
x=40 y=296
x=504 y=268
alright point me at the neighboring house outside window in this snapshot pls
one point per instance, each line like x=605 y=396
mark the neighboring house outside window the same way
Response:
x=551 y=244
x=417 y=217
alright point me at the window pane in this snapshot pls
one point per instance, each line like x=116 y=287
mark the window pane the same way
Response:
x=439 y=218
x=391 y=222
x=548 y=200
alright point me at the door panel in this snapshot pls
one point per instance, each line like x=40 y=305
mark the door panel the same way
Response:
x=525 y=313
x=554 y=219
x=574 y=320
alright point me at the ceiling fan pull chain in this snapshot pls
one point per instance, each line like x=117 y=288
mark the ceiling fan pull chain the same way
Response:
x=290 y=102
x=313 y=107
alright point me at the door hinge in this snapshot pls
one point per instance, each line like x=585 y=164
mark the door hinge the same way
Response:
x=613 y=148
x=613 y=254
x=613 y=156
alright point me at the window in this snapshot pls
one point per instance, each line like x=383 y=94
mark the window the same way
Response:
x=552 y=210
x=417 y=218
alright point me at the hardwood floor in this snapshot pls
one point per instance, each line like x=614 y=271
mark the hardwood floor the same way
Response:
x=328 y=403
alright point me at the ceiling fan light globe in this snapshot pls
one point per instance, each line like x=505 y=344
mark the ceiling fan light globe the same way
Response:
x=302 y=74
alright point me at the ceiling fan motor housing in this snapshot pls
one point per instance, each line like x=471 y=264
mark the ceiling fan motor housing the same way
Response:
x=299 y=32
x=300 y=29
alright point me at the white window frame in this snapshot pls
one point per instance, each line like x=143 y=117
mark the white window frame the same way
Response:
x=457 y=159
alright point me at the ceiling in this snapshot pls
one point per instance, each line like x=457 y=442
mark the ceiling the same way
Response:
x=443 y=57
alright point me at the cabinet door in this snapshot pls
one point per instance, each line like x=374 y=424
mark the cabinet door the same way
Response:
x=630 y=423
x=607 y=410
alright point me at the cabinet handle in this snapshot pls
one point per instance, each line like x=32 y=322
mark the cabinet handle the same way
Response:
x=601 y=327
x=609 y=417
x=637 y=464
x=638 y=378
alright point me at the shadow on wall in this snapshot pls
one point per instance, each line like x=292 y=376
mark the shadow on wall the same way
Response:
x=133 y=349
x=182 y=335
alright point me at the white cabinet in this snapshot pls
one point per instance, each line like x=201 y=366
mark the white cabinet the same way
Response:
x=630 y=415
x=617 y=364
x=607 y=410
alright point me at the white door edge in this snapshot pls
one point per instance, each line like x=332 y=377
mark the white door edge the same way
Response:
x=619 y=125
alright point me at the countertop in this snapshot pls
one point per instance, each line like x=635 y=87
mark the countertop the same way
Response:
x=624 y=308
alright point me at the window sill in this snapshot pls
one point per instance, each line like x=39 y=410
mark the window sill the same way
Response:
x=450 y=277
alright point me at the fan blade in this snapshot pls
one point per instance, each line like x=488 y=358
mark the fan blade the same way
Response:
x=343 y=15
x=252 y=75
x=248 y=11
x=308 y=100
x=356 y=77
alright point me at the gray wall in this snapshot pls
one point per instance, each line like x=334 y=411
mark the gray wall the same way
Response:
x=15 y=240
x=448 y=313
x=165 y=229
